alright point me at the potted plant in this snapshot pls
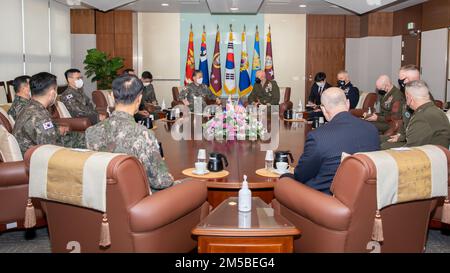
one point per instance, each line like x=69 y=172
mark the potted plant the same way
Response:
x=102 y=67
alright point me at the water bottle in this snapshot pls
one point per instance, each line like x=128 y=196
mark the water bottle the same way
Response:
x=245 y=197
x=269 y=160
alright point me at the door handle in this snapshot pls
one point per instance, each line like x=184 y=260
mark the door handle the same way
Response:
x=310 y=78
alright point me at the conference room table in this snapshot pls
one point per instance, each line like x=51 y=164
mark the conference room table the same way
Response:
x=244 y=158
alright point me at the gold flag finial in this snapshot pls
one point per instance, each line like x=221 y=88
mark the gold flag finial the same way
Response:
x=191 y=26
x=269 y=28
x=244 y=28
x=256 y=28
x=231 y=28
x=217 y=27
x=203 y=28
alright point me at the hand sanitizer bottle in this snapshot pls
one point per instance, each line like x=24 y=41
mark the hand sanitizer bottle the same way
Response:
x=163 y=105
x=300 y=106
x=245 y=197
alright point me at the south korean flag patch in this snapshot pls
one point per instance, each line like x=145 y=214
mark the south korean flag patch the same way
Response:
x=47 y=125
x=69 y=96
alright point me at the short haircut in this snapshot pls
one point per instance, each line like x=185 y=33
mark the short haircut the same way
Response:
x=126 y=88
x=196 y=72
x=128 y=70
x=418 y=89
x=41 y=83
x=20 y=81
x=69 y=73
x=410 y=67
x=321 y=76
x=333 y=97
x=147 y=75
x=342 y=72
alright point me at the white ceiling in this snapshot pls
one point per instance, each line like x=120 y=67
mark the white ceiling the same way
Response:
x=251 y=6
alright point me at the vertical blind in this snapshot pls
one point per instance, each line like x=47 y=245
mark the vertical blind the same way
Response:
x=36 y=38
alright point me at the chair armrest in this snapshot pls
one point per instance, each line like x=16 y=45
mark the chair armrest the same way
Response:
x=13 y=174
x=168 y=205
x=357 y=112
x=74 y=124
x=318 y=207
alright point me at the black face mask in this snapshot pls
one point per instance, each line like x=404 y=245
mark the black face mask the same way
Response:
x=341 y=84
x=402 y=85
x=381 y=92
x=258 y=80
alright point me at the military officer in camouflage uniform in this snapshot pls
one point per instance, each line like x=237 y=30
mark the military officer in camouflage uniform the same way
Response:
x=197 y=89
x=34 y=125
x=391 y=104
x=23 y=95
x=121 y=134
x=75 y=100
x=264 y=91
x=428 y=124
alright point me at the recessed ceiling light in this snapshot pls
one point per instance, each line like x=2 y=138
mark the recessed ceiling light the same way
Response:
x=302 y=6
x=234 y=9
x=164 y=4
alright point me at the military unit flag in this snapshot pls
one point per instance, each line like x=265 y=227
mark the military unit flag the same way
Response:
x=190 y=61
x=215 y=83
x=256 y=63
x=203 y=66
x=270 y=75
x=230 y=74
x=245 y=85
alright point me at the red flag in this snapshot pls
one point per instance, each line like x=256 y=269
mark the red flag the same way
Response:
x=215 y=82
x=268 y=63
x=190 y=61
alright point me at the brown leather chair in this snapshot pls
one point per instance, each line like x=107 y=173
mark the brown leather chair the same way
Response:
x=101 y=102
x=138 y=222
x=439 y=104
x=176 y=96
x=5 y=120
x=11 y=92
x=285 y=101
x=369 y=101
x=343 y=222
x=61 y=116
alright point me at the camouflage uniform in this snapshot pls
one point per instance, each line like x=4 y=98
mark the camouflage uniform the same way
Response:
x=17 y=105
x=34 y=126
x=269 y=93
x=78 y=104
x=193 y=90
x=148 y=95
x=121 y=134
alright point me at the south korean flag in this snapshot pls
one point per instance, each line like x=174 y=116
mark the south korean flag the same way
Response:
x=47 y=125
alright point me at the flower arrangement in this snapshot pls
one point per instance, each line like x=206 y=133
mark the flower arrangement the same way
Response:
x=234 y=123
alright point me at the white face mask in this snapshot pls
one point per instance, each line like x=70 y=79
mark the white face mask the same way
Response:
x=200 y=80
x=146 y=84
x=79 y=83
x=320 y=84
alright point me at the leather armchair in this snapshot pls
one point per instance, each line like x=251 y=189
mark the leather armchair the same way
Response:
x=74 y=124
x=343 y=222
x=285 y=100
x=5 y=120
x=14 y=196
x=138 y=222
x=102 y=103
x=369 y=101
x=176 y=96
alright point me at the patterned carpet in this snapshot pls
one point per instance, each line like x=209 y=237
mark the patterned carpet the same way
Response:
x=15 y=242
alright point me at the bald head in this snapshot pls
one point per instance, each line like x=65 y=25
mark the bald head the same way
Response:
x=383 y=83
x=334 y=102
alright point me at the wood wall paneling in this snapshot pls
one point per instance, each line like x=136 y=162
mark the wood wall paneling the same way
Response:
x=325 y=26
x=352 y=26
x=104 y=22
x=380 y=24
x=436 y=14
x=404 y=16
x=123 y=30
x=364 y=25
x=82 y=21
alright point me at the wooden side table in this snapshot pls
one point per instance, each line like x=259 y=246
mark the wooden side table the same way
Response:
x=226 y=230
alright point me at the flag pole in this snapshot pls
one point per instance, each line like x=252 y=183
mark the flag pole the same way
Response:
x=191 y=26
x=203 y=28
x=244 y=28
x=231 y=29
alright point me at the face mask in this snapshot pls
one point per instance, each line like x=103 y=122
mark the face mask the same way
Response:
x=341 y=84
x=146 y=84
x=54 y=98
x=79 y=83
x=381 y=92
x=402 y=85
x=200 y=80
x=320 y=84
x=258 y=80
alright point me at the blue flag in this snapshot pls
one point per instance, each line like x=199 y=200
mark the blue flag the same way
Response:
x=245 y=86
x=203 y=66
x=256 y=63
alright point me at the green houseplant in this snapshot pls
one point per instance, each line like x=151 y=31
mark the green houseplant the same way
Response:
x=102 y=67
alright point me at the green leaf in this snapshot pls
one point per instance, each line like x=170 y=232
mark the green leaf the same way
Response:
x=101 y=68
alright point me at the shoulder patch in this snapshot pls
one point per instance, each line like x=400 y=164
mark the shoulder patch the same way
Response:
x=69 y=96
x=407 y=114
x=47 y=125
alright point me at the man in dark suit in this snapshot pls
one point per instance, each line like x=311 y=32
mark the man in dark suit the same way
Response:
x=320 y=85
x=325 y=145
x=351 y=92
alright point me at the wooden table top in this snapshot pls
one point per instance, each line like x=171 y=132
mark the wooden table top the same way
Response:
x=244 y=157
x=226 y=220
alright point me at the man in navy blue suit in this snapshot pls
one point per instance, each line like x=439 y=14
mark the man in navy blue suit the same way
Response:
x=351 y=92
x=325 y=145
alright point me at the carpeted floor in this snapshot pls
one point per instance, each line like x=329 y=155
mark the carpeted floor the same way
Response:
x=15 y=242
